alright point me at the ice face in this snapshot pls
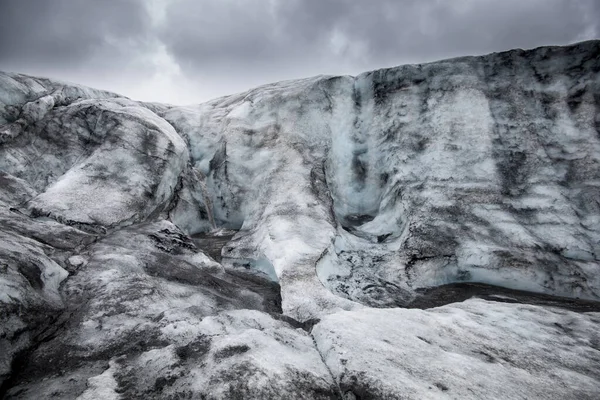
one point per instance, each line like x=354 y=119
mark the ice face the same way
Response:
x=477 y=169
x=346 y=194
x=473 y=169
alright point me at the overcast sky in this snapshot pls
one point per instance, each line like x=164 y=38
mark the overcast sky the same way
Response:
x=188 y=51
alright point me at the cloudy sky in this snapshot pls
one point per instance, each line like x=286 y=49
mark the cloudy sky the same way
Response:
x=188 y=51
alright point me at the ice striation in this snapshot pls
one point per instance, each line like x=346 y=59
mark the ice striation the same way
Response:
x=425 y=231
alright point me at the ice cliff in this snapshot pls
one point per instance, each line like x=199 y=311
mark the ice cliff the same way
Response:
x=347 y=198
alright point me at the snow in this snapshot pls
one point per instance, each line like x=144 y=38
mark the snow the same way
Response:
x=102 y=386
x=107 y=187
x=273 y=349
x=15 y=287
x=471 y=350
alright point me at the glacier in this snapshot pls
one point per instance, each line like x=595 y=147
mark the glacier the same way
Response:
x=287 y=242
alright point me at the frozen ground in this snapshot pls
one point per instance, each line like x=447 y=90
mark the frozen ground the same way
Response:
x=266 y=244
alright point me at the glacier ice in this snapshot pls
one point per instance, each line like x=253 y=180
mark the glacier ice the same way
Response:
x=341 y=200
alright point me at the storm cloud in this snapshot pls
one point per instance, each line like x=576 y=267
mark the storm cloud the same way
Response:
x=186 y=51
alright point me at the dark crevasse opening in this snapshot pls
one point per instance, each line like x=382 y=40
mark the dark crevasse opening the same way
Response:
x=213 y=243
x=214 y=221
x=351 y=221
x=457 y=292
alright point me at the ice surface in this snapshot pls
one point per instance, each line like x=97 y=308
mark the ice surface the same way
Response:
x=455 y=162
x=342 y=196
x=471 y=350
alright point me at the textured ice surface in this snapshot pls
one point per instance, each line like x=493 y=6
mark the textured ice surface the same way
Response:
x=470 y=350
x=472 y=169
x=343 y=195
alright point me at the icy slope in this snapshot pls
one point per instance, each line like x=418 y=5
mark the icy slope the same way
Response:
x=100 y=162
x=344 y=194
x=471 y=350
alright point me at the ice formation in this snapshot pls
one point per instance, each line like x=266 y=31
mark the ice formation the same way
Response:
x=341 y=199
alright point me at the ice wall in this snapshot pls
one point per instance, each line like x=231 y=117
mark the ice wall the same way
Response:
x=346 y=190
x=470 y=169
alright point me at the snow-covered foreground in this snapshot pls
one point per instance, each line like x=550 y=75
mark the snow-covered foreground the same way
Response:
x=345 y=197
x=471 y=350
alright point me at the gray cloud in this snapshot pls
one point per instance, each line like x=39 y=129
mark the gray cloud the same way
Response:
x=267 y=31
x=190 y=50
x=70 y=33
